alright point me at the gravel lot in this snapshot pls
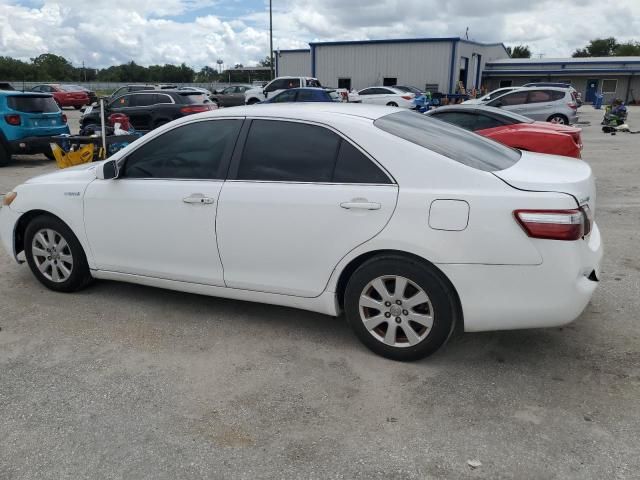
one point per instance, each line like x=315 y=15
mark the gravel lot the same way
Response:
x=124 y=381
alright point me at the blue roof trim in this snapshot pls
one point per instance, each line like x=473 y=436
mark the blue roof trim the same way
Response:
x=295 y=50
x=532 y=64
x=497 y=73
x=392 y=40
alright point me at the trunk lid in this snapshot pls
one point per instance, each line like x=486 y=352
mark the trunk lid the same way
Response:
x=550 y=173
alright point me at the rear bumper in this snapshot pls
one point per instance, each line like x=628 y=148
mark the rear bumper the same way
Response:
x=36 y=144
x=552 y=294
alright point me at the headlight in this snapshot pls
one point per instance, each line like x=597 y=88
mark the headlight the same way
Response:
x=9 y=198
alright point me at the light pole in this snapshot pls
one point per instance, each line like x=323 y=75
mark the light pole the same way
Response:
x=271 y=39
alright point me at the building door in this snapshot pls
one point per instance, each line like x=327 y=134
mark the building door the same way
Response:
x=592 y=89
x=389 y=81
x=344 y=83
x=464 y=69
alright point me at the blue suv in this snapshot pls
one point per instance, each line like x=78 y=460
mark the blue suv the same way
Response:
x=23 y=118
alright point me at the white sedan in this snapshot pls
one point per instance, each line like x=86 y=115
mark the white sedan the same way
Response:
x=390 y=96
x=412 y=227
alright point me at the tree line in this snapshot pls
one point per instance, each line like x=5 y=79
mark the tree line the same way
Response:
x=599 y=47
x=49 y=67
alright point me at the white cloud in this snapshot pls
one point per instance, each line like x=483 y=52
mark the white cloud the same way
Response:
x=105 y=32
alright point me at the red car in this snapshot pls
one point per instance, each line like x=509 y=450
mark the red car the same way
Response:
x=64 y=95
x=513 y=130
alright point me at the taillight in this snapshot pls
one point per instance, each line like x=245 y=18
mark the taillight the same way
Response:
x=13 y=119
x=194 y=109
x=64 y=118
x=407 y=97
x=572 y=105
x=555 y=224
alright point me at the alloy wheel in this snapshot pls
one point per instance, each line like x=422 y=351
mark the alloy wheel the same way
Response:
x=52 y=255
x=396 y=311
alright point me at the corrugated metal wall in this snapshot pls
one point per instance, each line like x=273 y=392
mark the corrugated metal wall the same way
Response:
x=293 y=63
x=417 y=64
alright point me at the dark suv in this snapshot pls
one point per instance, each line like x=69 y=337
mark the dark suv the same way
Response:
x=149 y=109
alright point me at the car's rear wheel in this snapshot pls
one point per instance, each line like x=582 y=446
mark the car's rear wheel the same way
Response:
x=252 y=101
x=559 y=119
x=399 y=307
x=392 y=104
x=55 y=255
x=5 y=156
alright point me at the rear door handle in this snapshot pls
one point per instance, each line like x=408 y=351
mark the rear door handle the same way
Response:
x=198 y=198
x=361 y=205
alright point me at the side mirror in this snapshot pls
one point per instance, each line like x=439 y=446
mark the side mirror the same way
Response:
x=107 y=170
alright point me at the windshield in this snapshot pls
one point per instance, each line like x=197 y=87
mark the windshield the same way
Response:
x=408 y=89
x=33 y=104
x=450 y=141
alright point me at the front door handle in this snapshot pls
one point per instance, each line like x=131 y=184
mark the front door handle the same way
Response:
x=198 y=198
x=360 y=205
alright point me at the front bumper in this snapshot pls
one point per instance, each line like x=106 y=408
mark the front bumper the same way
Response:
x=552 y=294
x=8 y=221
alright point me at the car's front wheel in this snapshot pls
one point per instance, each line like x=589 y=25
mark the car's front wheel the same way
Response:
x=392 y=104
x=399 y=307
x=55 y=255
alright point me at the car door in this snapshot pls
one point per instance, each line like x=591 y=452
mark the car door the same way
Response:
x=157 y=219
x=140 y=110
x=299 y=197
x=237 y=96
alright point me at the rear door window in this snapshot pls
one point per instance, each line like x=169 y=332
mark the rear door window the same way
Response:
x=142 y=100
x=194 y=151
x=284 y=97
x=35 y=104
x=461 y=119
x=539 y=96
x=556 y=95
x=288 y=152
x=515 y=98
x=450 y=141
x=352 y=166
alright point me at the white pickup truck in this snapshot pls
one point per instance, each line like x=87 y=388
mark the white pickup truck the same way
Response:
x=277 y=85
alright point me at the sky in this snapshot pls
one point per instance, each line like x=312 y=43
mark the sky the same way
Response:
x=199 y=32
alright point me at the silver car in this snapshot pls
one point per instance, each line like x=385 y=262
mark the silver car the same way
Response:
x=547 y=104
x=231 y=96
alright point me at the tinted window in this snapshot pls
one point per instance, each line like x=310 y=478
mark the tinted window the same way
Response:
x=228 y=90
x=485 y=121
x=33 y=104
x=164 y=98
x=447 y=140
x=539 y=96
x=193 y=151
x=353 y=167
x=284 y=97
x=366 y=91
x=121 y=102
x=515 y=98
x=461 y=119
x=556 y=95
x=277 y=85
x=313 y=83
x=313 y=96
x=288 y=151
x=142 y=100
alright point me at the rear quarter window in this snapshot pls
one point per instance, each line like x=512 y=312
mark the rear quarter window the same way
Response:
x=35 y=104
x=450 y=141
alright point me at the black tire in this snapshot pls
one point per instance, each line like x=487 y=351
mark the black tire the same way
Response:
x=443 y=305
x=392 y=104
x=5 y=156
x=50 y=155
x=558 y=118
x=252 y=101
x=79 y=276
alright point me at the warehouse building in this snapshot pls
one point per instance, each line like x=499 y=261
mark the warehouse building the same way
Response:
x=436 y=64
x=615 y=77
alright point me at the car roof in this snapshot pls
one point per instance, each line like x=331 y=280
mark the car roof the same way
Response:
x=303 y=111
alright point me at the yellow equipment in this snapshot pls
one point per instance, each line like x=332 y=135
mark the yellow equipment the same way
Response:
x=82 y=155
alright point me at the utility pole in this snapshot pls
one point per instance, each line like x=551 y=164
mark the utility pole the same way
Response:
x=271 y=38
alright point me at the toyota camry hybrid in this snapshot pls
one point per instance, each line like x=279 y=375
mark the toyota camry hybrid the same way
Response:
x=412 y=227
